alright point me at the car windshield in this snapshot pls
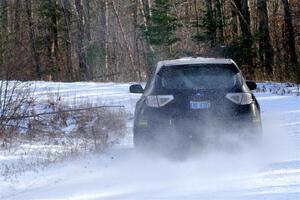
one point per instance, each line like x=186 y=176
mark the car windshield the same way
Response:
x=220 y=76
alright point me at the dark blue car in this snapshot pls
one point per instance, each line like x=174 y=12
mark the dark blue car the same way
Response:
x=189 y=100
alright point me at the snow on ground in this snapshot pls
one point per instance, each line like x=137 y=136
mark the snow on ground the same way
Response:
x=110 y=94
x=270 y=171
x=278 y=88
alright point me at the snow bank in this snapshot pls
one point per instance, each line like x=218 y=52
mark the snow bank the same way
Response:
x=278 y=88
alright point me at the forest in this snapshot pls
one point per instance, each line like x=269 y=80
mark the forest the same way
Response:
x=121 y=40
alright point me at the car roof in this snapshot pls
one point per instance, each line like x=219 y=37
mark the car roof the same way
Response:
x=193 y=61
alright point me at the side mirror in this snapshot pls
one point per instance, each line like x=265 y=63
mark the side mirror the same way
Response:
x=136 y=88
x=251 y=85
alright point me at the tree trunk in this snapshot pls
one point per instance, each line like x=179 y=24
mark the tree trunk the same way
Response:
x=289 y=32
x=126 y=41
x=3 y=38
x=220 y=21
x=83 y=68
x=242 y=9
x=211 y=28
x=51 y=37
x=87 y=20
x=3 y=14
x=265 y=47
x=290 y=37
x=148 y=50
x=34 y=51
x=17 y=20
x=197 y=26
x=66 y=6
x=136 y=40
x=54 y=29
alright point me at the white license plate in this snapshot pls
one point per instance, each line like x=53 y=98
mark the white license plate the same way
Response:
x=196 y=105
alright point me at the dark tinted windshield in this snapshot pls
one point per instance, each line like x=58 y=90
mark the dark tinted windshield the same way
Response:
x=209 y=76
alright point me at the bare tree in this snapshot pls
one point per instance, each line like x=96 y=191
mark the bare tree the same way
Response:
x=83 y=67
x=220 y=20
x=242 y=9
x=289 y=32
x=66 y=9
x=290 y=39
x=106 y=40
x=34 y=50
x=265 y=47
x=212 y=31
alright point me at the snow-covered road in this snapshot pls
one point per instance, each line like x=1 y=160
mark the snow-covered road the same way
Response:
x=268 y=172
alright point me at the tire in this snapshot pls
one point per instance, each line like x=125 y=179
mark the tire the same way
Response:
x=142 y=142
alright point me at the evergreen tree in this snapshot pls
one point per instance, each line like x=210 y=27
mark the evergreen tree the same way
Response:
x=161 y=30
x=211 y=24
